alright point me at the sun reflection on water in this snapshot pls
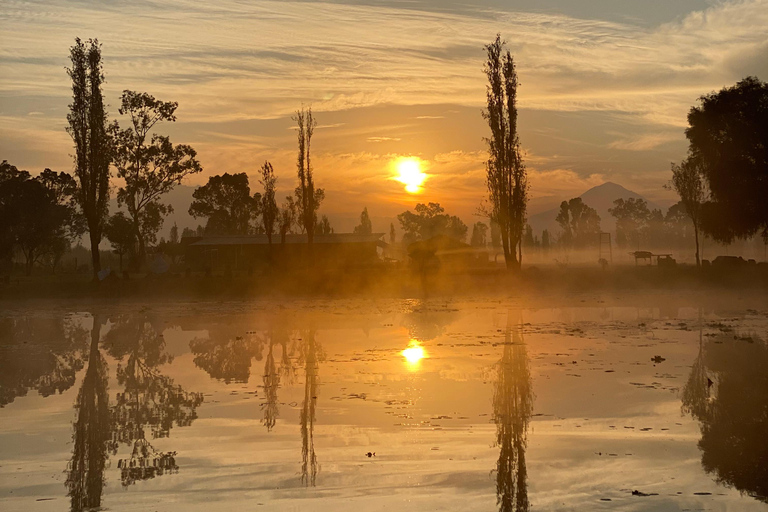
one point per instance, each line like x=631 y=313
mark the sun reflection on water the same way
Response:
x=413 y=355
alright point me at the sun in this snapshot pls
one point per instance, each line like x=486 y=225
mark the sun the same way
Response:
x=409 y=173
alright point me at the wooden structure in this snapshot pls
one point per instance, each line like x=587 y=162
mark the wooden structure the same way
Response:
x=660 y=259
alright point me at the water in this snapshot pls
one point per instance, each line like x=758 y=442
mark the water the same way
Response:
x=385 y=405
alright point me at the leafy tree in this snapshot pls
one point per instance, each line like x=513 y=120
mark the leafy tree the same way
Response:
x=63 y=188
x=269 y=209
x=227 y=203
x=392 y=235
x=546 y=242
x=150 y=168
x=288 y=217
x=308 y=198
x=728 y=136
x=479 y=234
x=687 y=182
x=429 y=221
x=506 y=175
x=87 y=120
x=579 y=222
x=31 y=217
x=529 y=241
x=365 y=227
x=323 y=226
x=120 y=233
x=632 y=216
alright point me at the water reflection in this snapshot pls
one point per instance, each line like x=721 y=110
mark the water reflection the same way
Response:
x=727 y=392
x=226 y=355
x=512 y=408
x=271 y=384
x=41 y=354
x=309 y=466
x=91 y=438
x=413 y=355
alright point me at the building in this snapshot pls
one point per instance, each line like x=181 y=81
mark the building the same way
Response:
x=247 y=253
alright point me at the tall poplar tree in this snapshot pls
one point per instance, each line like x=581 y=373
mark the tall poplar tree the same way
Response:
x=87 y=120
x=507 y=177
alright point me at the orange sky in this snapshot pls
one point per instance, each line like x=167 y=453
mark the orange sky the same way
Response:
x=603 y=96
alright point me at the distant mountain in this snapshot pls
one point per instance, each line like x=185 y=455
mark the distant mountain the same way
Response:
x=600 y=198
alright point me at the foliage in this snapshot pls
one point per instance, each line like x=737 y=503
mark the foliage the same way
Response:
x=365 y=227
x=34 y=217
x=632 y=217
x=687 y=182
x=479 y=234
x=506 y=174
x=429 y=221
x=728 y=136
x=580 y=223
x=227 y=203
x=150 y=168
x=323 y=226
x=87 y=120
x=308 y=198
x=119 y=232
x=269 y=210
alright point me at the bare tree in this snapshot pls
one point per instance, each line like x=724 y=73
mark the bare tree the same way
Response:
x=269 y=209
x=687 y=182
x=507 y=177
x=88 y=129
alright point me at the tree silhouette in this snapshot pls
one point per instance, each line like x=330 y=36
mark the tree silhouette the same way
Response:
x=632 y=217
x=91 y=437
x=512 y=409
x=580 y=223
x=727 y=392
x=479 y=235
x=227 y=203
x=430 y=220
x=506 y=175
x=728 y=136
x=88 y=128
x=365 y=227
x=687 y=182
x=150 y=168
x=308 y=198
x=34 y=216
x=120 y=233
x=269 y=209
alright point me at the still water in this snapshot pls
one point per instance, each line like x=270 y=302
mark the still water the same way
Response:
x=384 y=405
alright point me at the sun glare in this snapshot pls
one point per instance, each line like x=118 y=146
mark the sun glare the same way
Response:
x=409 y=173
x=414 y=354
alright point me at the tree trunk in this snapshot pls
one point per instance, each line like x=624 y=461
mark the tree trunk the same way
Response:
x=95 y=255
x=29 y=263
x=141 y=255
x=696 y=235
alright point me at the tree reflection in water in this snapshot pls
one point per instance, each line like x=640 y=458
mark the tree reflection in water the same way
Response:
x=512 y=408
x=310 y=354
x=271 y=383
x=727 y=392
x=91 y=438
x=41 y=354
x=149 y=399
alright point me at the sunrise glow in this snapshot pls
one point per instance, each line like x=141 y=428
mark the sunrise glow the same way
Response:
x=409 y=173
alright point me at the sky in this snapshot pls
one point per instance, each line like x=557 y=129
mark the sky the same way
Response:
x=605 y=86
